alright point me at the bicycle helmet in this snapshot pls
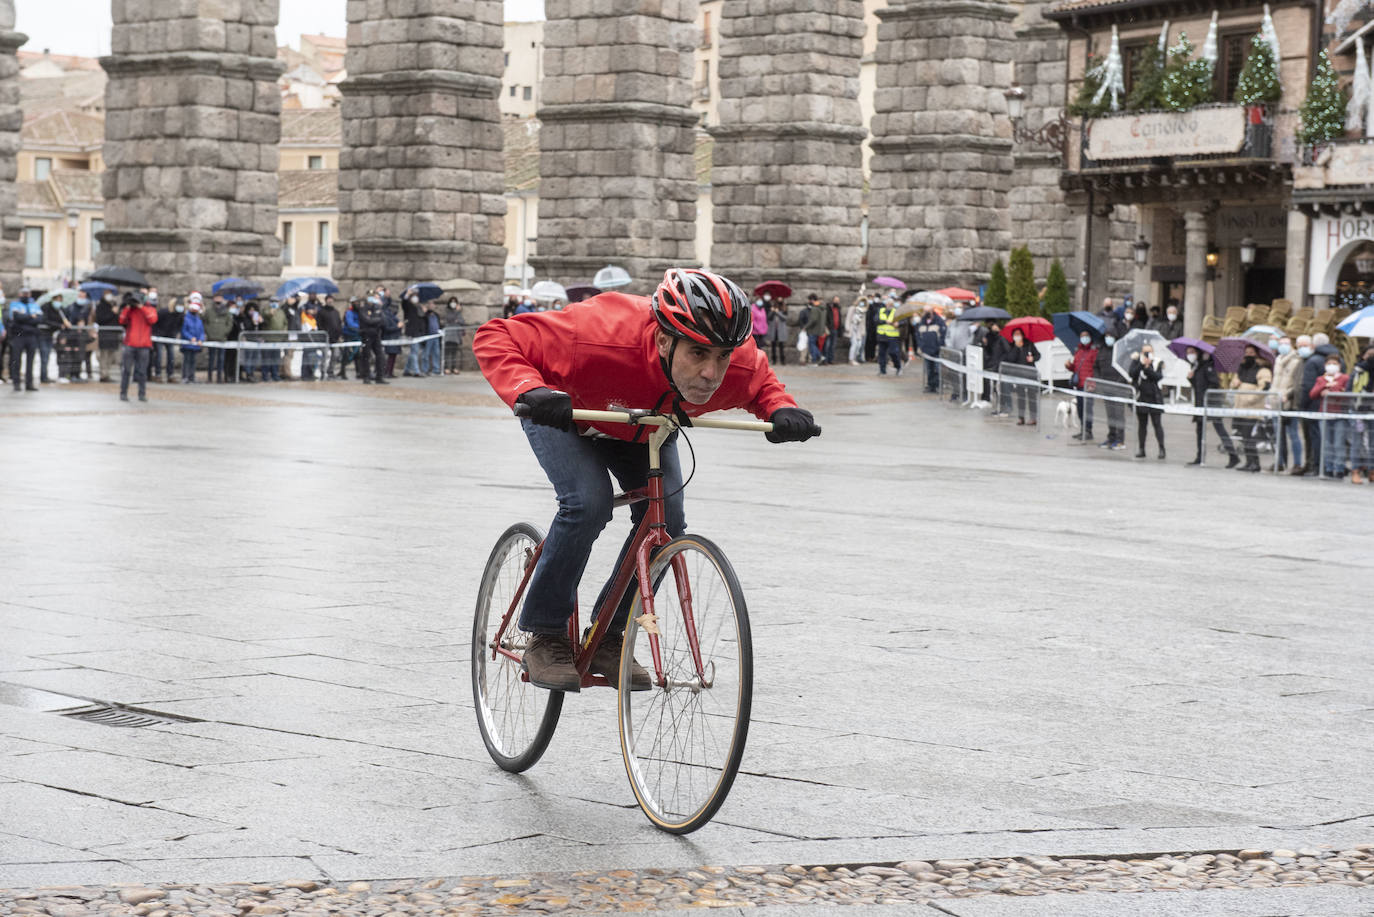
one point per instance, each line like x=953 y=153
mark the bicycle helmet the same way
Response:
x=696 y=305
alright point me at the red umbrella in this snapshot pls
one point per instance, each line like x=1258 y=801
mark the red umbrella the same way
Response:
x=773 y=288
x=1036 y=329
x=959 y=293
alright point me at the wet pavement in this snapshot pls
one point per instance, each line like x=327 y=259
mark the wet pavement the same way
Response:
x=972 y=641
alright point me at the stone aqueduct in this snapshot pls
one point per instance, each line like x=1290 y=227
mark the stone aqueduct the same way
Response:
x=192 y=124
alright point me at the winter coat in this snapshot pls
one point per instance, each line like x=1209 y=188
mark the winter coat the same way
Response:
x=960 y=333
x=1337 y=383
x=777 y=325
x=329 y=322
x=1146 y=382
x=107 y=317
x=168 y=324
x=1253 y=378
x=138 y=322
x=291 y=315
x=1025 y=355
x=832 y=318
x=854 y=321
x=929 y=330
x=25 y=316
x=192 y=332
x=1312 y=370
x=1202 y=378
x=1170 y=329
x=414 y=318
x=1103 y=367
x=371 y=318
x=814 y=321
x=994 y=348
x=760 y=318
x=1287 y=377
x=51 y=318
x=275 y=320
x=1082 y=363
x=602 y=352
x=217 y=322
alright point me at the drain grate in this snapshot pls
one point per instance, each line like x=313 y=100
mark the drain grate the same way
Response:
x=126 y=717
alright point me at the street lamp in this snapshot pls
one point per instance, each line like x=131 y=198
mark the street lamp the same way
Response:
x=1052 y=133
x=1141 y=250
x=1213 y=256
x=73 y=217
x=1247 y=252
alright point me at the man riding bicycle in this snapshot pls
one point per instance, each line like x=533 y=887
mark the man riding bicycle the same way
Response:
x=685 y=351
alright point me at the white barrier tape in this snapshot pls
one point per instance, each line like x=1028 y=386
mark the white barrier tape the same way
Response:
x=292 y=345
x=1183 y=410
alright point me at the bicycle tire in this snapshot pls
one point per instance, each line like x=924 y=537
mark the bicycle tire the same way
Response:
x=515 y=718
x=680 y=788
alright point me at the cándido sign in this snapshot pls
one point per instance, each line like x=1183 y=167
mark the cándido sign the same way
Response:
x=1200 y=132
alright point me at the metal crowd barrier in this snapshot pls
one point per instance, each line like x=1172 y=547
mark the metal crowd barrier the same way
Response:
x=295 y=354
x=1255 y=417
x=1117 y=400
x=1019 y=391
x=952 y=385
x=1347 y=441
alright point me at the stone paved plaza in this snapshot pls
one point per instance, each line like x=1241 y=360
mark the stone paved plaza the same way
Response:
x=971 y=642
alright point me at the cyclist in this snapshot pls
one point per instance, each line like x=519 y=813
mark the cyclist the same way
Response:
x=687 y=350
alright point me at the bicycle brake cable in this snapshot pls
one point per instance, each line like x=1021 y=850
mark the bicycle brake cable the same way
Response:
x=693 y=453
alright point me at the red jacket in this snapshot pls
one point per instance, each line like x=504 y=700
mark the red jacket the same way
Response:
x=1084 y=358
x=601 y=351
x=1339 y=383
x=138 y=324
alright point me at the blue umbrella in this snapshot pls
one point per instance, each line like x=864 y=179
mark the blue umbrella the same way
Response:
x=291 y=286
x=98 y=288
x=320 y=286
x=426 y=291
x=1069 y=325
x=235 y=286
x=1359 y=325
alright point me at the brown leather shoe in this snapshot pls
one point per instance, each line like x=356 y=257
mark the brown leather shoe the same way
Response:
x=607 y=662
x=548 y=661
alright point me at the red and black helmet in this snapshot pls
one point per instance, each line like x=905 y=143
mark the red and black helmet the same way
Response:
x=696 y=305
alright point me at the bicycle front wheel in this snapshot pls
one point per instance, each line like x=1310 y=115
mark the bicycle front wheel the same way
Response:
x=683 y=740
x=516 y=719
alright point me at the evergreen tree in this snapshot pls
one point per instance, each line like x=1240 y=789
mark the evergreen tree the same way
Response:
x=1323 y=111
x=1147 y=80
x=1056 y=289
x=996 y=296
x=1083 y=105
x=1021 y=296
x=1187 y=82
x=1259 y=78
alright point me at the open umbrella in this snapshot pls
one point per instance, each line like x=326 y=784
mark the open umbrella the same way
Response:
x=462 y=285
x=984 y=314
x=1134 y=340
x=96 y=289
x=1359 y=325
x=892 y=282
x=320 y=286
x=1230 y=351
x=425 y=291
x=1179 y=347
x=773 y=288
x=289 y=287
x=611 y=277
x=235 y=287
x=1262 y=332
x=917 y=303
x=1036 y=329
x=119 y=276
x=1069 y=325
x=62 y=297
x=959 y=293
x=548 y=291
x=580 y=292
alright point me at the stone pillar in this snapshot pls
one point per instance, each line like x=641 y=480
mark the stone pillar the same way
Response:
x=192 y=123
x=617 y=140
x=1295 y=261
x=11 y=120
x=1195 y=280
x=421 y=176
x=787 y=170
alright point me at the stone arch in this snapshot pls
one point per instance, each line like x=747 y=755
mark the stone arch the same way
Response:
x=1333 y=268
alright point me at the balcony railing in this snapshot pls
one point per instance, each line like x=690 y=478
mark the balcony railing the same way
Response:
x=1347 y=161
x=1220 y=132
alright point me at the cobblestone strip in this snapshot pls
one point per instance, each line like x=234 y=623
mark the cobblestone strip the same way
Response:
x=649 y=890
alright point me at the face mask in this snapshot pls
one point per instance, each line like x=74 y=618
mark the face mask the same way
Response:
x=1018 y=340
x=767 y=297
x=1146 y=354
x=1192 y=358
x=1111 y=339
x=1130 y=316
x=1085 y=340
x=414 y=300
x=1304 y=351
x=1172 y=315
x=958 y=312
x=233 y=310
x=1285 y=349
x=181 y=308
x=1332 y=369
x=1248 y=361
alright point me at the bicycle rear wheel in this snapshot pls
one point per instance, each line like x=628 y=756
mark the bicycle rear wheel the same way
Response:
x=683 y=740
x=516 y=719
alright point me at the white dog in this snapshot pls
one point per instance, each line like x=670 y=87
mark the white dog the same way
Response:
x=1065 y=416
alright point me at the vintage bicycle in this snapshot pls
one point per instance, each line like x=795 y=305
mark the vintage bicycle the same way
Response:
x=683 y=739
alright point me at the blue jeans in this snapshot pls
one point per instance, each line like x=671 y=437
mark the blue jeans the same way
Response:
x=44 y=353
x=214 y=362
x=413 y=358
x=1291 y=430
x=1362 y=444
x=433 y=360
x=813 y=347
x=1334 y=441
x=188 y=365
x=828 y=355
x=580 y=469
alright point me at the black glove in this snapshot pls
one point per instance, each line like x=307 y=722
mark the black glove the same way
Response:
x=547 y=407
x=792 y=425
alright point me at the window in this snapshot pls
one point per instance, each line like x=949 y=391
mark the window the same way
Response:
x=97 y=225
x=507 y=63
x=1130 y=59
x=287 y=240
x=1231 y=51
x=322 y=244
x=33 y=246
x=529 y=93
x=706 y=29
x=314 y=162
x=512 y=91
x=42 y=168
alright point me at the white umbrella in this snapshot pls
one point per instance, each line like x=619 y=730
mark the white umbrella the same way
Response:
x=1134 y=340
x=916 y=303
x=547 y=291
x=611 y=277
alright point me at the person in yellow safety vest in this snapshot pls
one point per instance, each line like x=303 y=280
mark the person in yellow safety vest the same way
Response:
x=889 y=339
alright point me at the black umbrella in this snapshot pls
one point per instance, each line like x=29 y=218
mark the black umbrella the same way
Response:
x=984 y=314
x=119 y=276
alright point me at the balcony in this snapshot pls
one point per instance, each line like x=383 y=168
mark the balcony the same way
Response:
x=1145 y=155
x=1335 y=177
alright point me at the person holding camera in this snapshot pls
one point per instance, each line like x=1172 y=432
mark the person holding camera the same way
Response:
x=138 y=318
x=1146 y=372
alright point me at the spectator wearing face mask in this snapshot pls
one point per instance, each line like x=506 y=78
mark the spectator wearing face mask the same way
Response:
x=1105 y=370
x=138 y=318
x=217 y=322
x=1314 y=363
x=1081 y=364
x=414 y=328
x=1021 y=353
x=108 y=336
x=1287 y=378
x=1253 y=375
x=930 y=332
x=192 y=336
x=1145 y=375
x=758 y=314
x=1202 y=378
x=168 y=327
x=1332 y=381
x=1171 y=326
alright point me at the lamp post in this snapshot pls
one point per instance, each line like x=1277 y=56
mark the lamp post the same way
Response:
x=1052 y=133
x=73 y=218
x=1247 y=253
x=1140 y=249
